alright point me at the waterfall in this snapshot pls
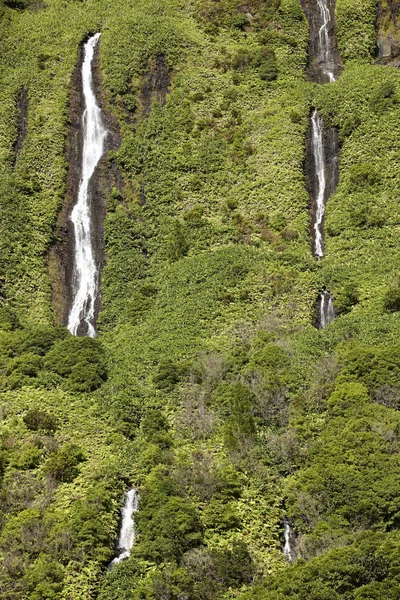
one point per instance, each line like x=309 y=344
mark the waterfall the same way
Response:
x=86 y=276
x=127 y=530
x=317 y=132
x=325 y=48
x=288 y=534
x=326 y=312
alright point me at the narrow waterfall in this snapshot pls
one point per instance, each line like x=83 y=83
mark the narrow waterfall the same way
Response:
x=324 y=59
x=325 y=48
x=325 y=311
x=127 y=530
x=86 y=272
x=322 y=142
x=288 y=534
x=317 y=131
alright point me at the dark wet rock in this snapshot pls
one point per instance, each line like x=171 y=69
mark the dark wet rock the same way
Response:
x=22 y=105
x=156 y=83
x=388 y=33
x=316 y=70
x=61 y=255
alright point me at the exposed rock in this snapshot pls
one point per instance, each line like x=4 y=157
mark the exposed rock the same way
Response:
x=61 y=255
x=388 y=33
x=22 y=105
x=155 y=84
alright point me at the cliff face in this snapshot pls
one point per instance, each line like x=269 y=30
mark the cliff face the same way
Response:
x=388 y=32
x=61 y=254
x=208 y=388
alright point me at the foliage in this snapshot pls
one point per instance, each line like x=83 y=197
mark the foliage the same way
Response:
x=208 y=387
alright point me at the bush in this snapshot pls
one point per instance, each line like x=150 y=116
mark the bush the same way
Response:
x=383 y=97
x=80 y=361
x=36 y=419
x=363 y=176
x=391 y=299
x=167 y=375
x=63 y=465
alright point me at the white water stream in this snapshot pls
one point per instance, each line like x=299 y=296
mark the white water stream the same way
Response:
x=325 y=48
x=86 y=276
x=327 y=313
x=287 y=549
x=127 y=531
x=317 y=132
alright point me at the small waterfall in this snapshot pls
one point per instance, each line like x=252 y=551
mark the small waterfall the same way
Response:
x=324 y=58
x=127 y=530
x=86 y=275
x=317 y=132
x=325 y=47
x=325 y=311
x=288 y=549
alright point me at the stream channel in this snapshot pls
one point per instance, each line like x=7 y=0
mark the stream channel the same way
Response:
x=86 y=269
x=322 y=161
x=322 y=156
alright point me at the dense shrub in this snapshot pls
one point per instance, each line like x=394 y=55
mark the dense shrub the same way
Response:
x=391 y=299
x=80 y=361
x=384 y=97
x=63 y=464
x=36 y=419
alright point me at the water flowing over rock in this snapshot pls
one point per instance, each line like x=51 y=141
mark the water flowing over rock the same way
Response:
x=317 y=128
x=322 y=143
x=86 y=272
x=325 y=310
x=288 y=550
x=322 y=166
x=324 y=59
x=127 y=530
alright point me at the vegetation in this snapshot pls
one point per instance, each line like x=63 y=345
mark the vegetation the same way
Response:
x=208 y=388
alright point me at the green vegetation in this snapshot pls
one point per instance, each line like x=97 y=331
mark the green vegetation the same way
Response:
x=208 y=388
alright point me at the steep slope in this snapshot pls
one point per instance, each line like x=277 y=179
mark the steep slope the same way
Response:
x=208 y=388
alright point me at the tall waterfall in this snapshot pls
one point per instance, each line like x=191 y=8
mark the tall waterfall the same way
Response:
x=326 y=312
x=317 y=132
x=322 y=142
x=86 y=274
x=127 y=531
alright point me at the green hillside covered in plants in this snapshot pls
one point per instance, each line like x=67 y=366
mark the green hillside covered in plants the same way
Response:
x=209 y=388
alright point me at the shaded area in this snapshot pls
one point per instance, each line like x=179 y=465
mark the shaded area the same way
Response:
x=22 y=104
x=388 y=33
x=155 y=84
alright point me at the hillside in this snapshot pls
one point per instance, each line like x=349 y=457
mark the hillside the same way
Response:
x=212 y=386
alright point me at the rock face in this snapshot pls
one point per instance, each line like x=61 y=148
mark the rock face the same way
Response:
x=61 y=255
x=388 y=32
x=155 y=84
x=22 y=104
